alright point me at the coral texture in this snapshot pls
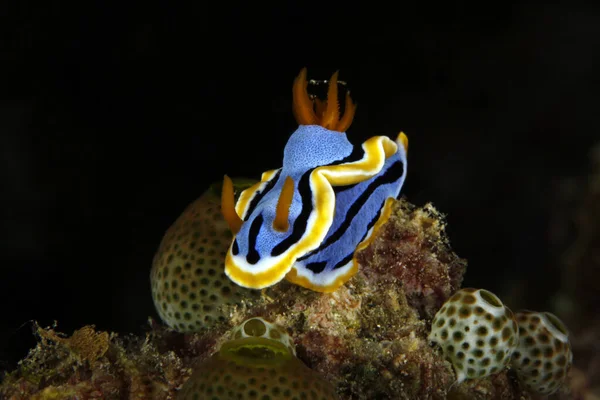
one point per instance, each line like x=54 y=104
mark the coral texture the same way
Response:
x=476 y=332
x=257 y=362
x=543 y=357
x=189 y=287
x=369 y=338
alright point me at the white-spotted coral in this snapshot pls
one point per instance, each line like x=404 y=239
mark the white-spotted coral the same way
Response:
x=476 y=332
x=258 y=363
x=189 y=288
x=543 y=356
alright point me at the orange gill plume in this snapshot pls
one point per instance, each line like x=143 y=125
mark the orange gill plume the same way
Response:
x=317 y=112
x=280 y=223
x=228 y=206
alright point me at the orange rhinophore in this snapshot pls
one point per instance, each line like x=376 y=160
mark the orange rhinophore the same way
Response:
x=318 y=112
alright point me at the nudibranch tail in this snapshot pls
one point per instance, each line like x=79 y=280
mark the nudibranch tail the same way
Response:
x=317 y=112
x=228 y=206
x=281 y=223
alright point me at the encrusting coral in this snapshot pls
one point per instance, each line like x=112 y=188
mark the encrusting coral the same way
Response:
x=369 y=338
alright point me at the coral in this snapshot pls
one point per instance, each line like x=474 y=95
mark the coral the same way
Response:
x=543 y=357
x=368 y=339
x=94 y=365
x=257 y=327
x=257 y=363
x=476 y=332
x=189 y=288
x=413 y=251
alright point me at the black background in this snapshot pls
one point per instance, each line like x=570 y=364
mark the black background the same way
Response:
x=114 y=117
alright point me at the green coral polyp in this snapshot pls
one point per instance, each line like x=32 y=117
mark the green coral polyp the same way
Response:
x=253 y=350
x=257 y=327
x=255 y=367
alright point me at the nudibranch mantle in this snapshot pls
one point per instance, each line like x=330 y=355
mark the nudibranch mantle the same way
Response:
x=341 y=194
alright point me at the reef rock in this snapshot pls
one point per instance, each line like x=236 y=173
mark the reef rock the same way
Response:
x=368 y=339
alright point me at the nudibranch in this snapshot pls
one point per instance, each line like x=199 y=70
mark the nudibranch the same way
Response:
x=305 y=220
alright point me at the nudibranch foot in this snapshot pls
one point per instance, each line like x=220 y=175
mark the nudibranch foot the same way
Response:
x=306 y=219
